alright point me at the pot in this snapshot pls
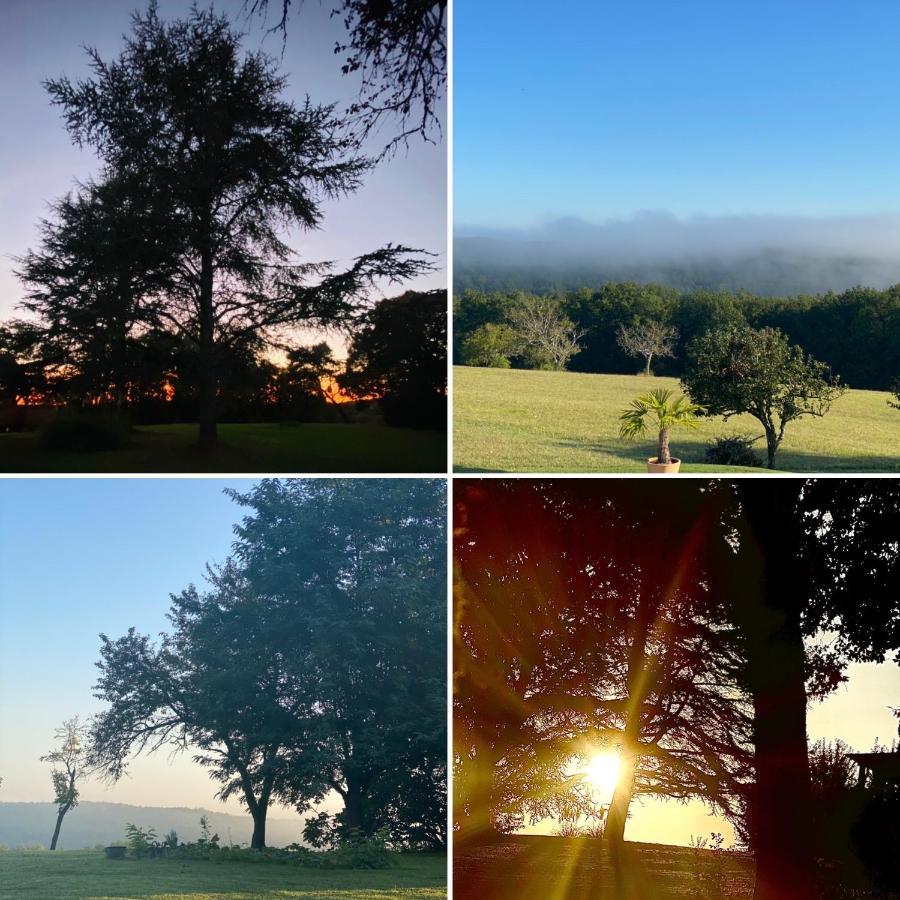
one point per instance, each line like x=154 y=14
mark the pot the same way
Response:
x=655 y=468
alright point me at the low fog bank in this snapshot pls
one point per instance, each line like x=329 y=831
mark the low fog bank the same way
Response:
x=774 y=255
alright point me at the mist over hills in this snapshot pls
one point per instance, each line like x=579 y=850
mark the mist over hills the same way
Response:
x=101 y=823
x=768 y=255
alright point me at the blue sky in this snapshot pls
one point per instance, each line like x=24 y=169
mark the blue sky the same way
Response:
x=81 y=556
x=403 y=200
x=600 y=110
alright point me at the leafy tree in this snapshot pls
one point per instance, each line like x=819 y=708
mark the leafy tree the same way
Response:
x=742 y=370
x=400 y=49
x=364 y=559
x=665 y=414
x=227 y=164
x=217 y=685
x=69 y=760
x=399 y=354
x=547 y=339
x=490 y=345
x=647 y=338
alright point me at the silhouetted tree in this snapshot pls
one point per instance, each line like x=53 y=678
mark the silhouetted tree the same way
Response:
x=399 y=47
x=69 y=765
x=102 y=260
x=584 y=621
x=742 y=370
x=227 y=163
x=309 y=378
x=399 y=354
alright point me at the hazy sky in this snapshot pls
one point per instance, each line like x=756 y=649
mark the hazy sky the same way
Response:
x=603 y=110
x=403 y=201
x=81 y=556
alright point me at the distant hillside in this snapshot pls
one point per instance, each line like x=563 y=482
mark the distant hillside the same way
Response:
x=24 y=824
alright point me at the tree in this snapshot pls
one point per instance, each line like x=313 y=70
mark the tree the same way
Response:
x=490 y=345
x=69 y=765
x=743 y=370
x=400 y=49
x=101 y=263
x=399 y=354
x=218 y=685
x=364 y=559
x=647 y=338
x=575 y=632
x=665 y=413
x=546 y=337
x=228 y=164
x=310 y=376
x=796 y=559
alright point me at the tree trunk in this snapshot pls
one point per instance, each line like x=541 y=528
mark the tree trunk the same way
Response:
x=617 y=817
x=648 y=357
x=771 y=446
x=663 y=456
x=258 y=840
x=208 y=387
x=59 y=820
x=770 y=591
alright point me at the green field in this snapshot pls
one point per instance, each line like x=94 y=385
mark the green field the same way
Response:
x=244 y=448
x=66 y=874
x=508 y=420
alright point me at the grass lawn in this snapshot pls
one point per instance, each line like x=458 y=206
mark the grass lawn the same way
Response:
x=535 y=868
x=508 y=420
x=67 y=874
x=244 y=448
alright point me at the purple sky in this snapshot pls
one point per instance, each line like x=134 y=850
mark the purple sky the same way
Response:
x=404 y=199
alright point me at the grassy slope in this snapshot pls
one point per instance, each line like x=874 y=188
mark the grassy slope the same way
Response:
x=527 y=421
x=536 y=868
x=244 y=448
x=68 y=874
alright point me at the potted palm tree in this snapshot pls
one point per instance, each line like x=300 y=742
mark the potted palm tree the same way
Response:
x=665 y=413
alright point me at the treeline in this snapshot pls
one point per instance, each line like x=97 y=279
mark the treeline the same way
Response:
x=396 y=361
x=856 y=332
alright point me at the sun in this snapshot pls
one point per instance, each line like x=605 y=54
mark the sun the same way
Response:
x=602 y=772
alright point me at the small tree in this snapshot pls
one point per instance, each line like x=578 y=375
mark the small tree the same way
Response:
x=546 y=335
x=666 y=414
x=68 y=759
x=490 y=345
x=647 y=338
x=744 y=370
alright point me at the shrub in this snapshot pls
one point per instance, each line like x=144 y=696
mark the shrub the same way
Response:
x=491 y=346
x=733 y=450
x=81 y=432
x=140 y=842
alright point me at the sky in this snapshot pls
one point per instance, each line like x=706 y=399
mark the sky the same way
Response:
x=403 y=200
x=83 y=556
x=603 y=111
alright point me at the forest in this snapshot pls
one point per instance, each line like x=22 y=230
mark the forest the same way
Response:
x=856 y=333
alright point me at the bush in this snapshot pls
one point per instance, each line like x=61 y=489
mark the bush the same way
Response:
x=733 y=450
x=140 y=842
x=81 y=432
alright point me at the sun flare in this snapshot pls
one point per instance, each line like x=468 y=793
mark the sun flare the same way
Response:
x=602 y=772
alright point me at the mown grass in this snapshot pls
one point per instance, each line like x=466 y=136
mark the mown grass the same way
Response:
x=88 y=875
x=527 y=421
x=243 y=448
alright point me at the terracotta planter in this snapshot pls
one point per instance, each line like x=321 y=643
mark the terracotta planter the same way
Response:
x=655 y=468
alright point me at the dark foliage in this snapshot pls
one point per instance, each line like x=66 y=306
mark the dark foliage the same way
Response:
x=77 y=431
